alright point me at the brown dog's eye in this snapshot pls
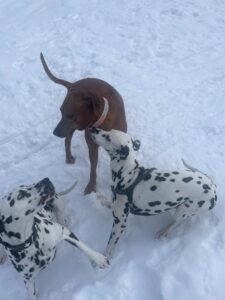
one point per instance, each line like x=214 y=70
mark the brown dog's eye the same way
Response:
x=88 y=99
x=70 y=117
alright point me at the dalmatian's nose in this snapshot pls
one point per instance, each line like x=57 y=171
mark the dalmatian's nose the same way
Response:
x=43 y=183
x=94 y=130
x=46 y=181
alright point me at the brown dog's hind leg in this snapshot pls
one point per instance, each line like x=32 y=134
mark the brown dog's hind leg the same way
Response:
x=69 y=157
x=93 y=155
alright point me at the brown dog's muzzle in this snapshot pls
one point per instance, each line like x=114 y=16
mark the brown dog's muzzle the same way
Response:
x=62 y=129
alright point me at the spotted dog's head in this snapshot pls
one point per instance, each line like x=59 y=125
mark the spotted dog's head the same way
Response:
x=117 y=143
x=22 y=203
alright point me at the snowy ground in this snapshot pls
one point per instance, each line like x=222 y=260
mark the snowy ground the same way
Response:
x=167 y=59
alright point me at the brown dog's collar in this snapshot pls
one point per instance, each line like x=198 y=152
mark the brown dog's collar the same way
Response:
x=103 y=115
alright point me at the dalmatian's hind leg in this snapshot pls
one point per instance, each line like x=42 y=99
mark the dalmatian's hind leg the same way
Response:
x=191 y=207
x=183 y=211
x=163 y=233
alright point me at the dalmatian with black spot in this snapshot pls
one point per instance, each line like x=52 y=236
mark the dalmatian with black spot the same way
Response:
x=151 y=191
x=30 y=231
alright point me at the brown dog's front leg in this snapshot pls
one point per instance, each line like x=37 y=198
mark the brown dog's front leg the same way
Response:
x=93 y=156
x=69 y=157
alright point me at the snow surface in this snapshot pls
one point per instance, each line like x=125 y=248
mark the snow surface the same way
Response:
x=167 y=59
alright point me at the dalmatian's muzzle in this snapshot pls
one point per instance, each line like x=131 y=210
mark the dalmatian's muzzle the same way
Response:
x=46 y=190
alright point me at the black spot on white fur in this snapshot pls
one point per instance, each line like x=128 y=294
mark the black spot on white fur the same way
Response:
x=123 y=152
x=154 y=203
x=23 y=194
x=171 y=204
x=187 y=179
x=106 y=136
x=200 y=203
x=153 y=188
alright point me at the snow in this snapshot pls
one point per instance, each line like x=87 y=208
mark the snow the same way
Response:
x=166 y=58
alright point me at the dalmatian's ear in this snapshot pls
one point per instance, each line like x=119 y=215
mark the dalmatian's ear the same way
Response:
x=136 y=144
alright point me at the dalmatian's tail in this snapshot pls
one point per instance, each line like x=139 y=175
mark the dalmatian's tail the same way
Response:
x=189 y=167
x=194 y=169
x=67 y=191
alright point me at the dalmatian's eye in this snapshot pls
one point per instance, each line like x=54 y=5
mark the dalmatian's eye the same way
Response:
x=23 y=194
x=106 y=136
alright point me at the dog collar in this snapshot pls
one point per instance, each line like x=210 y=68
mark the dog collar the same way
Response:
x=103 y=115
x=144 y=174
x=20 y=247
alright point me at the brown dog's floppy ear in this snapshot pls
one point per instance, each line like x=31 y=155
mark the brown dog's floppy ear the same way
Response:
x=92 y=101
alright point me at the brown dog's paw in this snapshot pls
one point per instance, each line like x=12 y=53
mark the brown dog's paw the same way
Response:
x=70 y=160
x=90 y=188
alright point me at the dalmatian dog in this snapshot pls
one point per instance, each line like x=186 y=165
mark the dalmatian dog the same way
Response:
x=150 y=191
x=30 y=230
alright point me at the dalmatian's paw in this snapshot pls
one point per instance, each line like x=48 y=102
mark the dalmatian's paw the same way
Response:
x=161 y=234
x=104 y=201
x=100 y=261
x=66 y=221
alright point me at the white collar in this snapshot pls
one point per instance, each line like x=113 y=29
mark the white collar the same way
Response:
x=103 y=115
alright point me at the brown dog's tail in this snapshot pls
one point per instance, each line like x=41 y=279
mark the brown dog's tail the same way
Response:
x=52 y=77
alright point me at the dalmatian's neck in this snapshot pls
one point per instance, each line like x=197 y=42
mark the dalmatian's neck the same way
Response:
x=124 y=170
x=17 y=231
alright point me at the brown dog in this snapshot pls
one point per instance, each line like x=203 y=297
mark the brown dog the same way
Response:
x=89 y=102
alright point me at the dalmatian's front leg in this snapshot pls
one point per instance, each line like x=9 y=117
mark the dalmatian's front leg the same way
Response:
x=97 y=258
x=120 y=214
x=31 y=289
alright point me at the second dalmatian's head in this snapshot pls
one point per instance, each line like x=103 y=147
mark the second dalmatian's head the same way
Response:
x=117 y=143
x=22 y=203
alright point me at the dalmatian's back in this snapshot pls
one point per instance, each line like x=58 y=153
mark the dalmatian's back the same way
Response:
x=166 y=190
